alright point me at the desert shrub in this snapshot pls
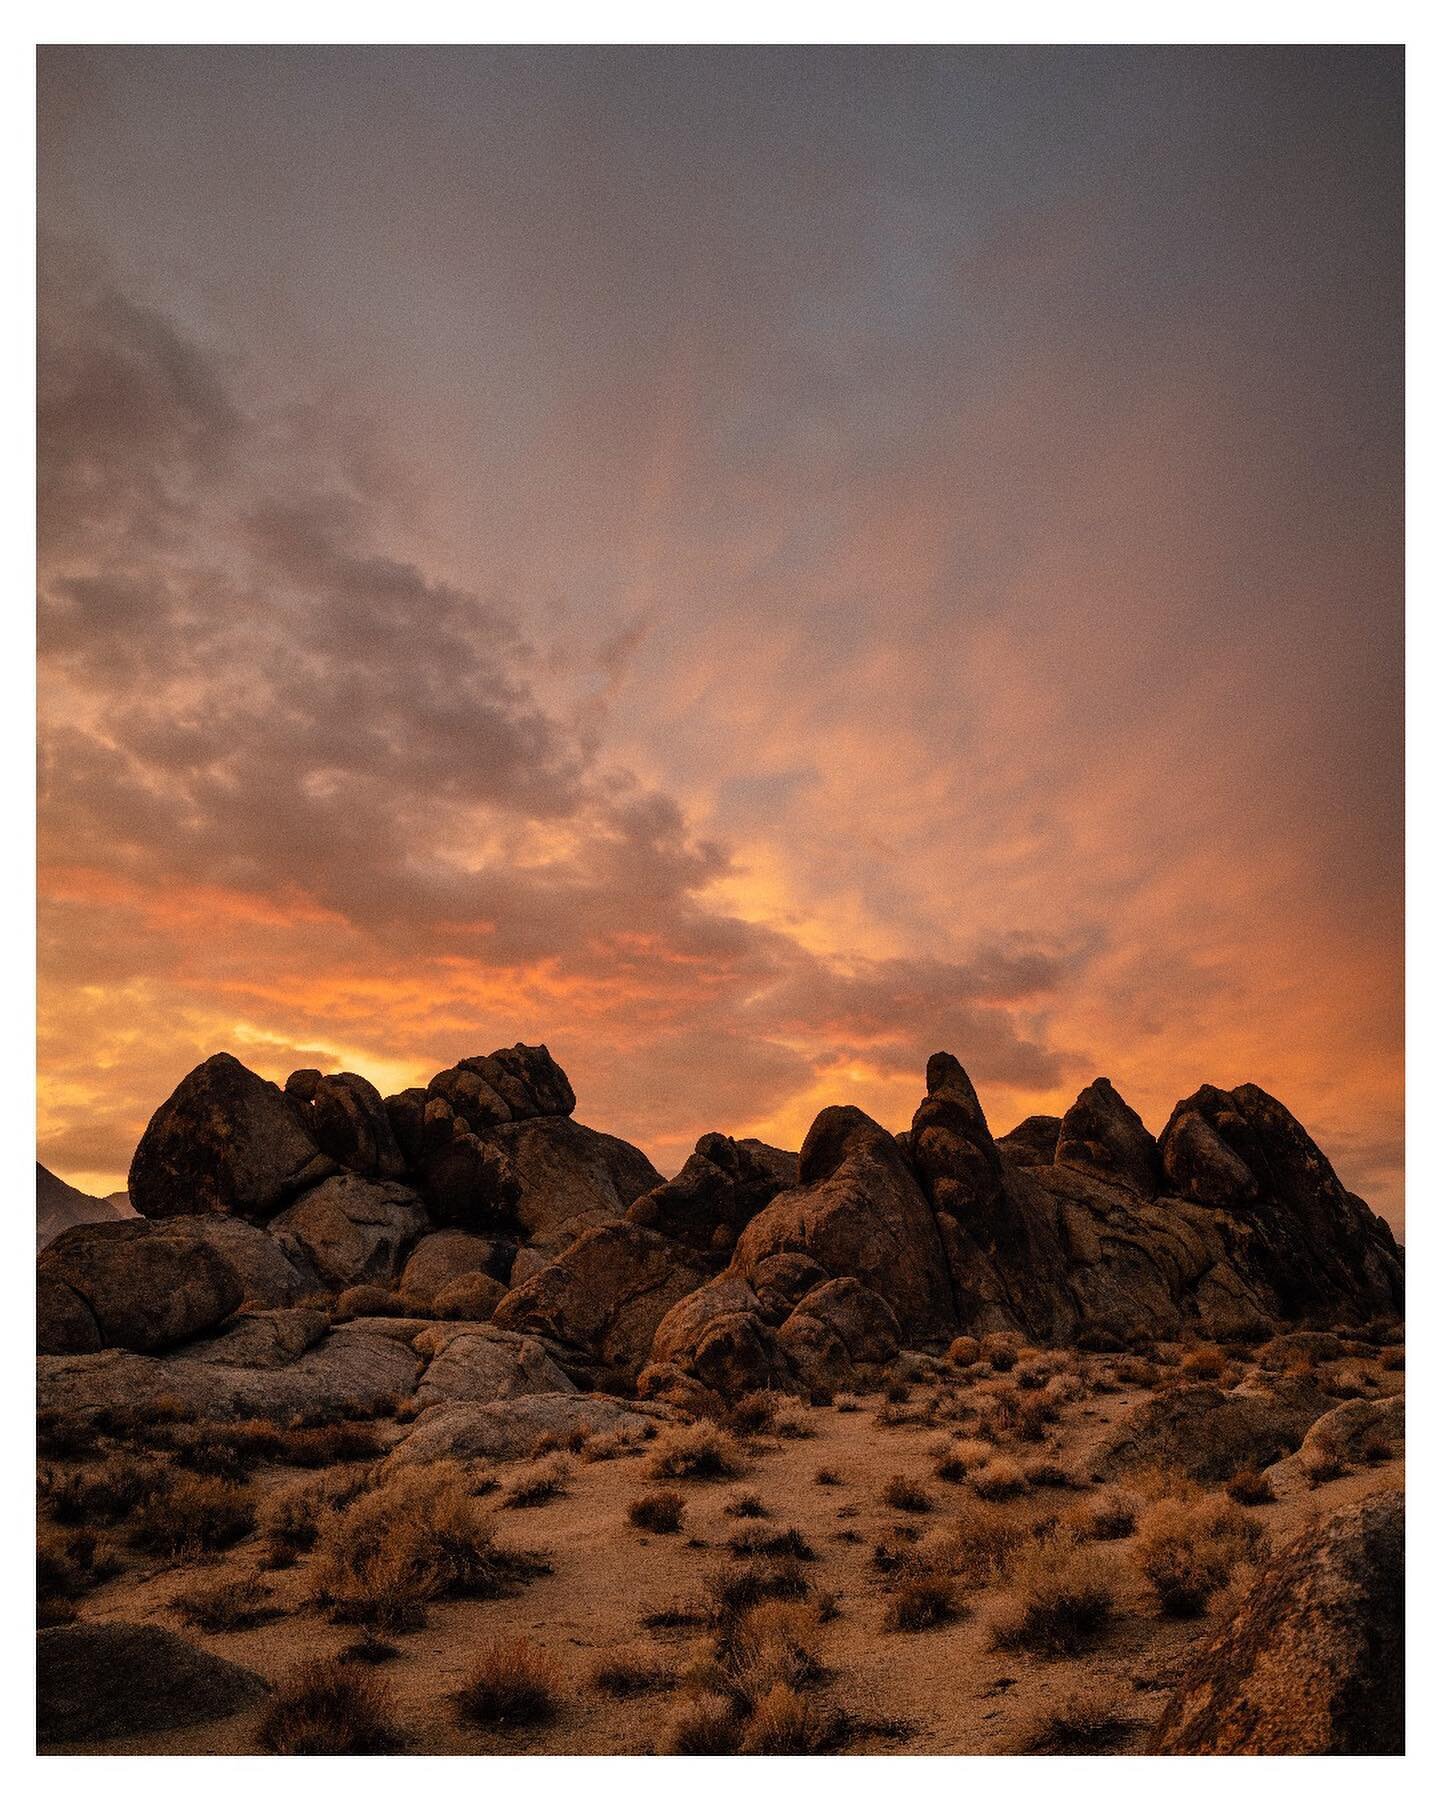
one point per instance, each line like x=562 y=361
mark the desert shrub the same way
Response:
x=368 y=1648
x=906 y=1495
x=774 y=1640
x=791 y=1423
x=1047 y=1471
x=767 y=1540
x=1250 y=1487
x=752 y=1413
x=657 y=1512
x=729 y=1592
x=291 y=1519
x=511 y=1682
x=1107 y=1517
x=622 y=1677
x=785 y=1723
x=545 y=1481
x=1206 y=1362
x=1001 y=1350
x=330 y=1708
x=1086 y=1725
x=889 y=1415
x=1188 y=1551
x=1063 y=1596
x=923 y=1601
x=700 y=1724
x=963 y=1352
x=195 y=1514
x=108 y=1493
x=1065 y=1388
x=821 y=1396
x=847 y=1403
x=702 y=1451
x=748 y=1505
x=828 y=1478
x=319 y=1446
x=1375 y=1447
x=68 y=1564
x=233 y=1605
x=1032 y=1375
x=420 y=1536
x=1032 y=1415
x=60 y=1437
x=1134 y=1371
x=999 y=1479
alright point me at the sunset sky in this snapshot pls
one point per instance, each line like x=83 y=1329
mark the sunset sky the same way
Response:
x=745 y=566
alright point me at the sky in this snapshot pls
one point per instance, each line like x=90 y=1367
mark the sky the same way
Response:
x=745 y=566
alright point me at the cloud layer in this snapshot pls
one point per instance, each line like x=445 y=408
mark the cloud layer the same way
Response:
x=749 y=567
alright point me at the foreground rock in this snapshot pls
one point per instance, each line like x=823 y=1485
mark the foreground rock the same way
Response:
x=1312 y=1663
x=604 y=1296
x=138 y=1284
x=722 y=1186
x=349 y=1372
x=106 y=1681
x=351 y=1231
x=505 y=1430
x=477 y=1362
x=225 y=1141
x=1208 y=1434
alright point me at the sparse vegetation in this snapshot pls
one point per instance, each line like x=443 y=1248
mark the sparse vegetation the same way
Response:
x=1206 y=1362
x=1250 y=1487
x=999 y=1479
x=194 y=1514
x=764 y=1540
x=330 y=1708
x=419 y=1536
x=622 y=1677
x=511 y=1682
x=1063 y=1597
x=1188 y=1551
x=546 y=1481
x=660 y=1512
x=228 y=1605
x=748 y=1505
x=1107 y=1516
x=906 y=1495
x=785 y=1723
x=1087 y=1725
x=700 y=1724
x=702 y=1451
x=923 y=1601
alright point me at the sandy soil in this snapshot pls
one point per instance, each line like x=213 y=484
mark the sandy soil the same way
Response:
x=950 y=1691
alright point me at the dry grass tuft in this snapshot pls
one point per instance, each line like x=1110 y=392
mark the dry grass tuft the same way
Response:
x=703 y=1451
x=657 y=1512
x=511 y=1682
x=785 y=1723
x=1206 y=1362
x=979 y=1544
x=1250 y=1487
x=768 y=1540
x=622 y=1677
x=1064 y=1595
x=195 y=1514
x=748 y=1505
x=922 y=1602
x=235 y=1605
x=420 y=1536
x=906 y=1495
x=546 y=1481
x=701 y=1724
x=1086 y=1725
x=329 y=1708
x=999 y=1479
x=1106 y=1517
x=106 y=1494
x=1188 y=1551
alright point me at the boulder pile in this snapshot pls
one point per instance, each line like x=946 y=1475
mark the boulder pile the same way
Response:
x=469 y=1244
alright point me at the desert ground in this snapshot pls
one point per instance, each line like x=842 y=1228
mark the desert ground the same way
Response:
x=979 y=1557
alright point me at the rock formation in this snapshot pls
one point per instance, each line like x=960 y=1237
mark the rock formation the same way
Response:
x=567 y=1260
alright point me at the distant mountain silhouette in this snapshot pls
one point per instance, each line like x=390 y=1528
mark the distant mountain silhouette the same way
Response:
x=58 y=1206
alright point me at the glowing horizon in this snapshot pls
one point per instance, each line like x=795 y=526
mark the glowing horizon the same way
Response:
x=747 y=567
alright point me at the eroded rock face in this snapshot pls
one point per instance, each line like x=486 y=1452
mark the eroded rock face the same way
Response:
x=481 y=1363
x=141 y=1284
x=347 y=1119
x=118 y=1680
x=508 y=1429
x=1103 y=1137
x=225 y=1141
x=859 y=1220
x=347 y=1370
x=444 y=1256
x=1208 y=1434
x=350 y=1230
x=604 y=1296
x=1312 y=1662
x=722 y=1186
x=570 y=1178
